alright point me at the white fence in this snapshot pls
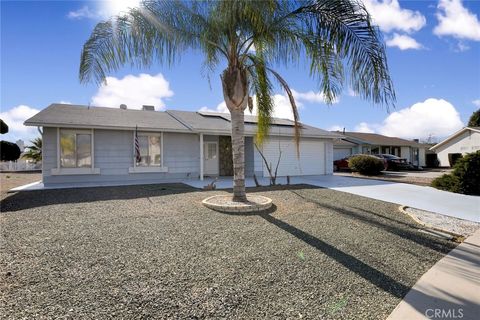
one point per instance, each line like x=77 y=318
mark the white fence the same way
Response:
x=19 y=166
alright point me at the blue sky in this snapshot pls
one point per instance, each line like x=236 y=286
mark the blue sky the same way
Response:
x=433 y=50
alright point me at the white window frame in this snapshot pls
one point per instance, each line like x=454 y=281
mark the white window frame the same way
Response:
x=58 y=171
x=147 y=169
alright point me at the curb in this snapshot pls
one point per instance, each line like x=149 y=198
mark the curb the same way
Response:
x=456 y=237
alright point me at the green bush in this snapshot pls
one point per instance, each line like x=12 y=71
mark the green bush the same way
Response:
x=366 y=164
x=447 y=182
x=465 y=177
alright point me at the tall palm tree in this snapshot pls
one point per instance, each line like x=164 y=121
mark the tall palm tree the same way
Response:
x=248 y=37
x=34 y=151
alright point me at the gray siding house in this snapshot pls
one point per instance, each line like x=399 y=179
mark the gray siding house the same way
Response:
x=120 y=146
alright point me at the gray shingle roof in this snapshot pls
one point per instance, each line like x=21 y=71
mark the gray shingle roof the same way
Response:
x=63 y=115
x=97 y=117
x=378 y=139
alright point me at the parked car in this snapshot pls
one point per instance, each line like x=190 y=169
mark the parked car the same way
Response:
x=395 y=163
x=342 y=164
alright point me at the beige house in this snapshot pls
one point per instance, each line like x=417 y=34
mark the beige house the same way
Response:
x=464 y=141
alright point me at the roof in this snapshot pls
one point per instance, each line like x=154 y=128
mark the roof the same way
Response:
x=453 y=136
x=381 y=140
x=344 y=143
x=77 y=116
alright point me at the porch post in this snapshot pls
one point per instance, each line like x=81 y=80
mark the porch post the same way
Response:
x=201 y=156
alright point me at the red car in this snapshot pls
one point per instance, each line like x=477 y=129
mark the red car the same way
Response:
x=342 y=164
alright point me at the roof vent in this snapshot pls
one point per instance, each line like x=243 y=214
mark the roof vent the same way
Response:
x=148 y=108
x=123 y=106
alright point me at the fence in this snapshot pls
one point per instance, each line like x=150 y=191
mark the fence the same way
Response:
x=19 y=166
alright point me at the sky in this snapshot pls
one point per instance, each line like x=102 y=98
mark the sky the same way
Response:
x=433 y=52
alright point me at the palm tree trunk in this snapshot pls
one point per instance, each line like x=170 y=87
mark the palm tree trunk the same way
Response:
x=238 y=151
x=235 y=93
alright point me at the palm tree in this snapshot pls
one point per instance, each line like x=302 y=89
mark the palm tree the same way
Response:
x=248 y=37
x=34 y=151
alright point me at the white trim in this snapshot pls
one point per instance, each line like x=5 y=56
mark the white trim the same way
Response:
x=58 y=148
x=161 y=149
x=87 y=127
x=90 y=131
x=201 y=156
x=74 y=171
x=92 y=149
x=147 y=169
x=453 y=136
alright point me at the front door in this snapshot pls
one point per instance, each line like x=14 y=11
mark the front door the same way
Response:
x=210 y=158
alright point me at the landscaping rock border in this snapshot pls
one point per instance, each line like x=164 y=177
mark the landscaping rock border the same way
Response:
x=224 y=203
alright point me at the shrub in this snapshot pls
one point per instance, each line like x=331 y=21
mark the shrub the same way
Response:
x=9 y=151
x=465 y=177
x=447 y=182
x=366 y=164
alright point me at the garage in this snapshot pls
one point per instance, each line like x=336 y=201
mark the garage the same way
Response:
x=314 y=155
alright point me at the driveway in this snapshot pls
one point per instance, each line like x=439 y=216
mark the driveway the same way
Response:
x=425 y=198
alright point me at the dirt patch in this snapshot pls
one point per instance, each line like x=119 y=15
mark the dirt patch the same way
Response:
x=9 y=180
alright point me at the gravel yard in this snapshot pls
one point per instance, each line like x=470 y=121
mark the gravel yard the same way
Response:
x=156 y=252
x=459 y=226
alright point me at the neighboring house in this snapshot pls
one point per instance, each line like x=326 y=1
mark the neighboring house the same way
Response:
x=461 y=142
x=92 y=144
x=372 y=143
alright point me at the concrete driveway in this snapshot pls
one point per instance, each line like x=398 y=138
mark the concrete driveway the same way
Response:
x=425 y=198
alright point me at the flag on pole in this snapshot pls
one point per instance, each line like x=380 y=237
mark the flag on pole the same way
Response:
x=138 y=158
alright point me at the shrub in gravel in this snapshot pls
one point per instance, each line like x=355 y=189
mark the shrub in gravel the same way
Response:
x=465 y=177
x=366 y=164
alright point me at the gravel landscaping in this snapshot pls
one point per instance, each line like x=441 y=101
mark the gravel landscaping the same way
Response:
x=155 y=252
x=458 y=226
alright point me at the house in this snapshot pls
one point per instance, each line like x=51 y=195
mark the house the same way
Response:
x=464 y=141
x=98 y=145
x=372 y=143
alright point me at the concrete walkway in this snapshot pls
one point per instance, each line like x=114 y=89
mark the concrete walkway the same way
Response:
x=449 y=290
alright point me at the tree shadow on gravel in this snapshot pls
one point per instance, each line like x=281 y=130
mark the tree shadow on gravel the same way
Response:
x=33 y=199
x=374 y=276
x=401 y=229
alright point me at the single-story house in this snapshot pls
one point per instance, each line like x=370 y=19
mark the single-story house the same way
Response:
x=372 y=143
x=464 y=141
x=84 y=144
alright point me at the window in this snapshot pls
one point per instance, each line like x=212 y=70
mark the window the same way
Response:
x=150 y=150
x=75 y=148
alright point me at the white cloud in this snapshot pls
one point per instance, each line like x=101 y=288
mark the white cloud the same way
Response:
x=83 y=13
x=336 y=127
x=282 y=108
x=14 y=118
x=403 y=42
x=432 y=117
x=457 y=21
x=389 y=16
x=310 y=97
x=134 y=91
x=364 y=127
x=476 y=102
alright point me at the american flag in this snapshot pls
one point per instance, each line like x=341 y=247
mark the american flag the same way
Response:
x=137 y=147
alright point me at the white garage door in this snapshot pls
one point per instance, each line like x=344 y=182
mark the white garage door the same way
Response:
x=341 y=153
x=311 y=161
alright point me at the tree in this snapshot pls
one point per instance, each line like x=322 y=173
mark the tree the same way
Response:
x=9 y=151
x=474 y=119
x=332 y=36
x=34 y=152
